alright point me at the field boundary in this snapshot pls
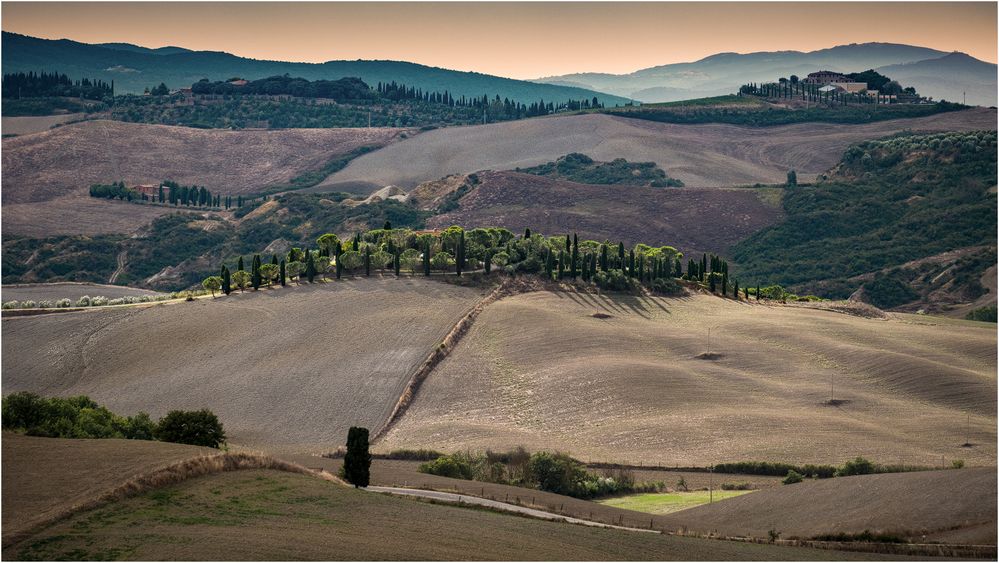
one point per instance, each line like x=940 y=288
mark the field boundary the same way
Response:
x=441 y=351
x=168 y=475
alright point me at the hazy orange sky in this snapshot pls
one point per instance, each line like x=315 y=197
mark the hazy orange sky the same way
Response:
x=519 y=40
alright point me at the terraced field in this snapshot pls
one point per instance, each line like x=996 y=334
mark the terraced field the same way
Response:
x=710 y=155
x=286 y=370
x=701 y=380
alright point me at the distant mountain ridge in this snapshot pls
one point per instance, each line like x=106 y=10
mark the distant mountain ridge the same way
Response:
x=134 y=68
x=723 y=73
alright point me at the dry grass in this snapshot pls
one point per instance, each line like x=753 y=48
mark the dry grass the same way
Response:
x=631 y=388
x=265 y=515
x=286 y=370
x=708 y=155
x=36 y=124
x=617 y=213
x=956 y=506
x=47 y=175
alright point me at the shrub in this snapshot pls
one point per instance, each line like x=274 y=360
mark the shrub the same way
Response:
x=11 y=304
x=957 y=464
x=83 y=301
x=986 y=314
x=666 y=286
x=65 y=302
x=99 y=301
x=197 y=428
x=456 y=466
x=29 y=304
x=792 y=477
x=613 y=280
x=858 y=466
x=414 y=455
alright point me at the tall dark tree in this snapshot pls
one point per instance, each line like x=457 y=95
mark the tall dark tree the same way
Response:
x=426 y=258
x=397 y=259
x=284 y=274
x=603 y=257
x=357 y=461
x=459 y=255
x=310 y=267
x=620 y=255
x=255 y=277
x=367 y=261
x=575 y=256
x=226 y=281
x=239 y=264
x=487 y=263
x=527 y=233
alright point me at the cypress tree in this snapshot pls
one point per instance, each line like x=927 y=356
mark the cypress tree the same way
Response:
x=549 y=262
x=735 y=290
x=575 y=255
x=367 y=261
x=239 y=264
x=226 y=281
x=757 y=292
x=357 y=461
x=724 y=283
x=426 y=258
x=274 y=259
x=459 y=262
x=527 y=234
x=711 y=281
x=704 y=266
x=603 y=257
x=255 y=274
x=677 y=268
x=488 y=263
x=356 y=243
x=631 y=263
x=561 y=264
x=568 y=245
x=398 y=263
x=310 y=267
x=284 y=276
x=620 y=256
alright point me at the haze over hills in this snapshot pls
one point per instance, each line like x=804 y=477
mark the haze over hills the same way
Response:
x=933 y=73
x=134 y=68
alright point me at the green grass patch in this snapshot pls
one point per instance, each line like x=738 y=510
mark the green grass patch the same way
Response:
x=665 y=503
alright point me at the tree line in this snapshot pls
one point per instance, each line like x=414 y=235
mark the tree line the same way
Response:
x=168 y=192
x=607 y=265
x=888 y=91
x=43 y=84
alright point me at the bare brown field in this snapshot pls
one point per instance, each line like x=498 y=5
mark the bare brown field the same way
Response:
x=286 y=370
x=35 y=124
x=708 y=155
x=47 y=175
x=703 y=380
x=267 y=515
x=70 y=290
x=955 y=506
x=618 y=213
x=45 y=476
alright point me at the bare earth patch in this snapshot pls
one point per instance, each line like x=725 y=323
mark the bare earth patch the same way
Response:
x=285 y=370
x=632 y=389
x=708 y=155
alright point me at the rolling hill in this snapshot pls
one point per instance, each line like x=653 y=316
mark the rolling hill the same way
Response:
x=285 y=370
x=700 y=380
x=134 y=68
x=48 y=174
x=926 y=506
x=703 y=155
x=723 y=73
x=632 y=214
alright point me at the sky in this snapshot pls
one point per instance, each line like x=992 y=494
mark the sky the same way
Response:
x=517 y=40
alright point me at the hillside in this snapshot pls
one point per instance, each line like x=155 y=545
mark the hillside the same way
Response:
x=287 y=370
x=268 y=515
x=701 y=380
x=887 y=203
x=723 y=73
x=632 y=214
x=75 y=471
x=953 y=77
x=705 y=155
x=135 y=68
x=47 y=175
x=944 y=506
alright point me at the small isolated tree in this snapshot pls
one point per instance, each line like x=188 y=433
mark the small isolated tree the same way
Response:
x=792 y=178
x=357 y=461
x=212 y=284
x=197 y=428
x=293 y=269
x=792 y=477
x=241 y=279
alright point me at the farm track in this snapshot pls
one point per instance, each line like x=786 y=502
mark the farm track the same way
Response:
x=120 y=259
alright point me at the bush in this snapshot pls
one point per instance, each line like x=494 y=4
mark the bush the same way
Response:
x=986 y=314
x=456 y=466
x=99 y=301
x=414 y=455
x=957 y=464
x=65 y=302
x=74 y=417
x=792 y=478
x=11 y=304
x=858 y=466
x=197 y=428
x=666 y=286
x=83 y=301
x=613 y=280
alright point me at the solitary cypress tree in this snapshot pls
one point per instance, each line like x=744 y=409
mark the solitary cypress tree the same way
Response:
x=284 y=276
x=226 y=281
x=357 y=461
x=239 y=264
x=274 y=259
x=527 y=233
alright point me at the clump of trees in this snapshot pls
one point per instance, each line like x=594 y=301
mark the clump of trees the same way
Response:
x=547 y=471
x=32 y=84
x=168 y=192
x=82 y=417
x=578 y=167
